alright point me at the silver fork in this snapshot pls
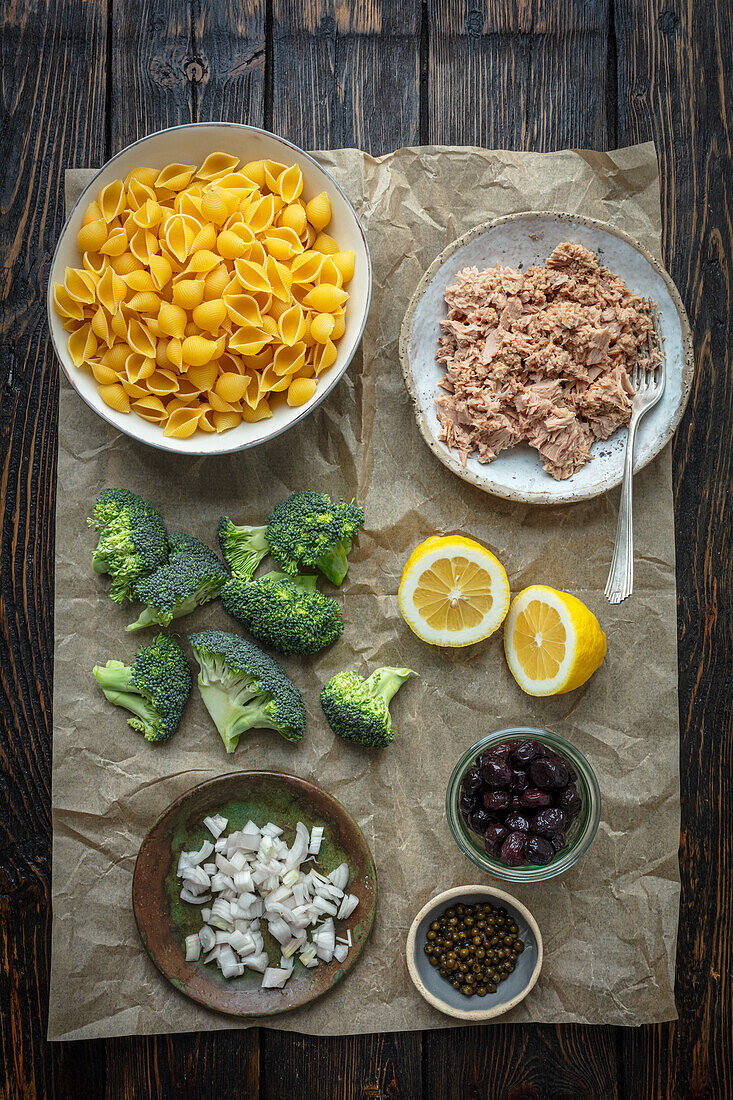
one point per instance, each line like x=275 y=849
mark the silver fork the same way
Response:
x=648 y=389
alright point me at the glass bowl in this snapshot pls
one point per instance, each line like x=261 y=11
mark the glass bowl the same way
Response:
x=579 y=835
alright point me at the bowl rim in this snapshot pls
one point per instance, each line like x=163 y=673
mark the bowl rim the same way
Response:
x=317 y=398
x=447 y=457
x=479 y=1014
x=525 y=874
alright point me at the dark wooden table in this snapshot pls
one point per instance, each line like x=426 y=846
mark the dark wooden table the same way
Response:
x=83 y=78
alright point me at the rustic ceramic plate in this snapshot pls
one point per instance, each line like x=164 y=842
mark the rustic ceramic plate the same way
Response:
x=164 y=921
x=520 y=240
x=440 y=993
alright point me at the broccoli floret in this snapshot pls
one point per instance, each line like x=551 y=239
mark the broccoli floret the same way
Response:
x=309 y=530
x=358 y=709
x=242 y=688
x=243 y=547
x=132 y=542
x=154 y=687
x=286 y=613
x=192 y=576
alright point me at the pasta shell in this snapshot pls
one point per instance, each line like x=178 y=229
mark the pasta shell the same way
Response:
x=219 y=404
x=188 y=293
x=112 y=200
x=141 y=282
x=80 y=285
x=95 y=263
x=243 y=309
x=291 y=325
x=324 y=356
x=150 y=408
x=91 y=214
x=225 y=421
x=111 y=290
x=205 y=239
x=318 y=211
x=115 y=396
x=280 y=279
x=82 y=345
x=282 y=243
x=329 y=273
x=101 y=327
x=146 y=176
x=116 y=357
x=230 y=245
x=252 y=276
x=115 y=244
x=216 y=282
x=260 y=214
x=144 y=244
x=293 y=217
x=162 y=382
x=232 y=387
x=209 y=315
x=287 y=360
x=174 y=177
x=197 y=350
x=182 y=423
x=139 y=367
x=127 y=264
x=104 y=375
x=339 y=326
x=217 y=164
x=138 y=193
x=290 y=183
x=174 y=351
x=66 y=306
x=160 y=271
x=202 y=375
x=255 y=170
x=271 y=326
x=202 y=262
x=214 y=207
x=322 y=326
x=345 y=262
x=118 y=324
x=146 y=301
x=140 y=339
x=186 y=202
x=306 y=267
x=327 y=245
x=179 y=231
x=261 y=412
x=301 y=390
x=325 y=298
x=172 y=319
x=92 y=236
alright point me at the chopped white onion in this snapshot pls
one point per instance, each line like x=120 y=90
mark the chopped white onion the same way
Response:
x=193 y=948
x=216 y=825
x=340 y=952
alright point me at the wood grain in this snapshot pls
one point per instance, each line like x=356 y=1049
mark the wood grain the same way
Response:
x=44 y=77
x=674 y=84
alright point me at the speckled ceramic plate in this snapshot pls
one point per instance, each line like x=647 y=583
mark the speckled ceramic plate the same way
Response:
x=520 y=240
x=164 y=921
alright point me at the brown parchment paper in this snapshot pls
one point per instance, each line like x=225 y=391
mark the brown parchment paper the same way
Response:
x=609 y=924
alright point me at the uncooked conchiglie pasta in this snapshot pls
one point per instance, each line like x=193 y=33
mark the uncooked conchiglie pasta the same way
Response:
x=202 y=376
x=325 y=298
x=188 y=293
x=231 y=387
x=301 y=390
x=209 y=315
x=197 y=350
x=322 y=326
x=182 y=423
x=104 y=376
x=115 y=397
x=318 y=211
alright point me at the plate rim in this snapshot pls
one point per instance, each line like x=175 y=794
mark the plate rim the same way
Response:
x=446 y=456
x=175 y=805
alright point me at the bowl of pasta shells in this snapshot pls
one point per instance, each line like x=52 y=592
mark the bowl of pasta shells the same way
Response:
x=209 y=288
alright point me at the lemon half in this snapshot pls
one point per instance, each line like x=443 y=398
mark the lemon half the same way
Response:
x=453 y=591
x=553 y=642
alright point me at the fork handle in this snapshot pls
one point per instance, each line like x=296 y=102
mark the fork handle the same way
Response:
x=621 y=576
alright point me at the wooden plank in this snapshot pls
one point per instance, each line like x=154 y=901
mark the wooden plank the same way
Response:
x=524 y=74
x=53 y=115
x=527 y=76
x=674 y=66
x=345 y=73
x=185 y=62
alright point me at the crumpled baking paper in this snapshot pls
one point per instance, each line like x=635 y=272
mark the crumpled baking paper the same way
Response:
x=609 y=924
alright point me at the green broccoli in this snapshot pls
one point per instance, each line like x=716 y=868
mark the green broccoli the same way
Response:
x=132 y=540
x=192 y=576
x=358 y=709
x=308 y=530
x=286 y=613
x=242 y=688
x=243 y=547
x=154 y=687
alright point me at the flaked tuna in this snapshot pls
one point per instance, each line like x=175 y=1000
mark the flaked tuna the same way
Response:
x=541 y=357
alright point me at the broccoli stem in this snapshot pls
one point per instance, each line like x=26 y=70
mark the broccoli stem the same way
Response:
x=148 y=617
x=306 y=582
x=334 y=564
x=114 y=675
x=114 y=679
x=246 y=547
x=388 y=681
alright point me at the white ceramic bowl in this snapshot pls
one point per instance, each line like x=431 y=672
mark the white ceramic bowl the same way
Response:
x=440 y=993
x=190 y=145
x=520 y=240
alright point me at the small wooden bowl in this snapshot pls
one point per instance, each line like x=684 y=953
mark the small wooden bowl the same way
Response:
x=440 y=993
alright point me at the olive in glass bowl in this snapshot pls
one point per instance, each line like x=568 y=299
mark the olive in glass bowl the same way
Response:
x=523 y=804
